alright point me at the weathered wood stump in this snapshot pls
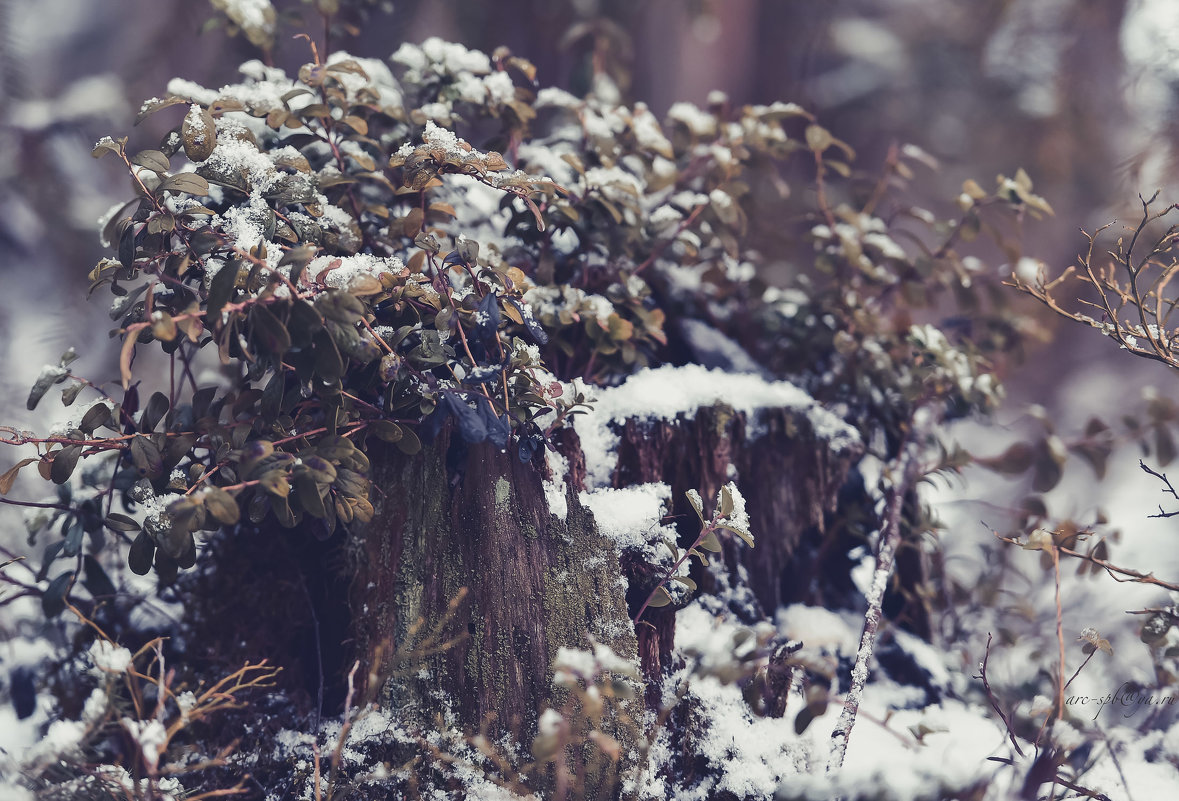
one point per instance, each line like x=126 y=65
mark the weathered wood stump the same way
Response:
x=533 y=582
x=537 y=582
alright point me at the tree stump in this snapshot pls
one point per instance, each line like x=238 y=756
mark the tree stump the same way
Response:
x=536 y=582
x=533 y=583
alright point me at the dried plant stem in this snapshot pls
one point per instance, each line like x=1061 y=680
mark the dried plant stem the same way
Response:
x=909 y=471
x=995 y=701
x=1113 y=570
x=1059 y=637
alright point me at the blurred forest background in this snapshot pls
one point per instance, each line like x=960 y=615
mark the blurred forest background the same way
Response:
x=1081 y=93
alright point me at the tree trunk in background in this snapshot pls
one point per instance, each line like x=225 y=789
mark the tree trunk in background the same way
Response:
x=536 y=583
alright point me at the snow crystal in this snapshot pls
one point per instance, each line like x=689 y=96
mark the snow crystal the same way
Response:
x=1030 y=271
x=250 y=13
x=195 y=119
x=750 y=755
x=630 y=516
x=150 y=735
x=888 y=248
x=454 y=57
x=953 y=753
x=108 y=657
x=447 y=140
x=500 y=87
x=708 y=638
x=553 y=97
x=235 y=157
x=647 y=130
x=439 y=57
x=545 y=161
x=666 y=392
x=95 y=706
x=245 y=223
x=720 y=199
x=550 y=299
x=192 y=91
x=574 y=662
x=554 y=488
x=565 y=240
x=615 y=183
x=777 y=107
x=664 y=219
x=436 y=112
x=722 y=155
x=186 y=701
x=343 y=223
x=700 y=123
x=62 y=738
x=687 y=199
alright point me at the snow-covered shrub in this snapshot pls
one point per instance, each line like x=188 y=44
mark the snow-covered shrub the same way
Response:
x=362 y=271
x=372 y=251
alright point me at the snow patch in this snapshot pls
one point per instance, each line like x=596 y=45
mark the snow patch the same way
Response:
x=664 y=393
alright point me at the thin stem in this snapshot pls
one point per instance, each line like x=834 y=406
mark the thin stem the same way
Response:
x=908 y=471
x=705 y=530
x=995 y=701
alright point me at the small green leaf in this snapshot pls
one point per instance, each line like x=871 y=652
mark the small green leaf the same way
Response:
x=146 y=456
x=97 y=415
x=1013 y=461
x=275 y=482
x=725 y=501
x=1155 y=628
x=154 y=160
x=49 y=376
x=95 y=579
x=317 y=468
x=697 y=503
x=64 y=462
x=310 y=497
x=53 y=600
x=745 y=535
x=221 y=505
x=163 y=327
x=199 y=135
x=1164 y=446
x=154 y=105
x=340 y=306
x=108 y=145
x=409 y=443
x=153 y=412
x=139 y=558
x=660 y=598
x=386 y=430
x=818 y=138
x=268 y=331
x=711 y=542
x=186 y=182
x=70 y=394
x=328 y=362
x=118 y=522
x=220 y=292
